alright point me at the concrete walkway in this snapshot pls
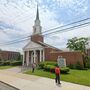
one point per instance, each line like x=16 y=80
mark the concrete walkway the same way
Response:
x=31 y=82
x=14 y=69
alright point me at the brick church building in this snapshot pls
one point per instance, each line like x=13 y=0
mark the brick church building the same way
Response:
x=36 y=51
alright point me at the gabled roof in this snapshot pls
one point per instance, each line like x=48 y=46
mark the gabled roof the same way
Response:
x=47 y=45
x=39 y=44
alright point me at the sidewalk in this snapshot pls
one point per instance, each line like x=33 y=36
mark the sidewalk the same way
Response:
x=30 y=82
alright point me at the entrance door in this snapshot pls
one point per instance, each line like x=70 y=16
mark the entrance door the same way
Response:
x=36 y=57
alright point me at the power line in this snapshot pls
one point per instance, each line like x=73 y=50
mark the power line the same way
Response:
x=62 y=30
x=57 y=28
x=67 y=24
x=70 y=28
x=15 y=42
x=47 y=33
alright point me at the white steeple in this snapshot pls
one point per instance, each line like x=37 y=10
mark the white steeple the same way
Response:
x=37 y=28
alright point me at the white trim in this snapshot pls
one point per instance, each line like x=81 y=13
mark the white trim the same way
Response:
x=34 y=56
x=31 y=49
x=43 y=55
x=27 y=58
x=32 y=45
x=40 y=55
x=23 y=58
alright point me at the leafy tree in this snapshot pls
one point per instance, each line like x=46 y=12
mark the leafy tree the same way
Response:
x=78 y=44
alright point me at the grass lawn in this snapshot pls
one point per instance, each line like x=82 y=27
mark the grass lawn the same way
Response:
x=6 y=67
x=75 y=76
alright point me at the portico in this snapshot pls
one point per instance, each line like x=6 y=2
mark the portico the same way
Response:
x=33 y=53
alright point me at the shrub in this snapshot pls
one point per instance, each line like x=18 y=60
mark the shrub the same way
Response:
x=79 y=66
x=13 y=63
x=47 y=67
x=65 y=70
x=52 y=69
x=71 y=66
x=88 y=62
x=41 y=65
x=51 y=63
x=50 y=66
x=1 y=63
x=4 y=63
x=16 y=63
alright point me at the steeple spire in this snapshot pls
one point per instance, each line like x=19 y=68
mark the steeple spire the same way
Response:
x=37 y=27
x=37 y=15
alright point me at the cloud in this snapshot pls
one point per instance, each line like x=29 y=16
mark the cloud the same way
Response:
x=17 y=19
x=60 y=39
x=71 y=10
x=4 y=25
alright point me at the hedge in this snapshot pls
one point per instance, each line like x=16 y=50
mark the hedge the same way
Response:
x=76 y=66
x=13 y=63
x=4 y=63
x=65 y=70
x=50 y=66
x=42 y=64
x=88 y=62
x=16 y=63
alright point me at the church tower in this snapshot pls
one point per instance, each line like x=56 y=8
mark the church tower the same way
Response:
x=37 y=34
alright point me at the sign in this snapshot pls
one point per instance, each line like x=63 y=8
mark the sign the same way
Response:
x=61 y=61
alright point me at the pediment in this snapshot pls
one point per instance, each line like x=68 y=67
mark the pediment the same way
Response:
x=32 y=45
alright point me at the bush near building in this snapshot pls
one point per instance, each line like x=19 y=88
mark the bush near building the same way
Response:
x=50 y=67
x=16 y=63
x=42 y=64
x=79 y=66
x=10 y=63
x=88 y=62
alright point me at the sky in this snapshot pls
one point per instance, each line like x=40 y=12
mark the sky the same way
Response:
x=17 y=20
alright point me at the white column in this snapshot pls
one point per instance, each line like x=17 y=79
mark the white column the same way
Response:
x=43 y=56
x=23 y=58
x=34 y=56
x=27 y=58
x=40 y=55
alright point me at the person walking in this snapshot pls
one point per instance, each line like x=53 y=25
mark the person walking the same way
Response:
x=33 y=67
x=57 y=73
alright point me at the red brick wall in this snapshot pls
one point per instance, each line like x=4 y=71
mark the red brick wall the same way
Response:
x=71 y=57
x=48 y=54
x=37 y=38
x=9 y=55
